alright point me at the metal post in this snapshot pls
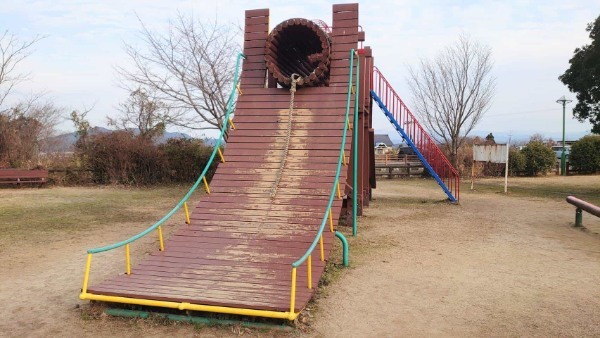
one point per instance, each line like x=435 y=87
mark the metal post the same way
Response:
x=563 y=159
x=578 y=217
x=563 y=156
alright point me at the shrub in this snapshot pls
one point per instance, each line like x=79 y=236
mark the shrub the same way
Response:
x=187 y=158
x=585 y=154
x=121 y=157
x=516 y=161
x=539 y=158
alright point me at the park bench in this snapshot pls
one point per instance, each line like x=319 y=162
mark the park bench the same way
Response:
x=582 y=206
x=23 y=176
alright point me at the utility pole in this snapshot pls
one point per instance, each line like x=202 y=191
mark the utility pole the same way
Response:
x=563 y=156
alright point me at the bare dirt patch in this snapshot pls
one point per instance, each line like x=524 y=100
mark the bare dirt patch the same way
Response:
x=495 y=265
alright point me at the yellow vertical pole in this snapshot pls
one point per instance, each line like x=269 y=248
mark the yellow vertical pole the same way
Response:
x=86 y=276
x=160 y=239
x=338 y=191
x=321 y=247
x=231 y=123
x=221 y=155
x=187 y=213
x=127 y=259
x=344 y=158
x=309 y=266
x=206 y=185
x=293 y=296
x=330 y=220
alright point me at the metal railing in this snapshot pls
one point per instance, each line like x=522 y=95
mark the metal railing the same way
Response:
x=182 y=203
x=307 y=257
x=417 y=134
x=328 y=218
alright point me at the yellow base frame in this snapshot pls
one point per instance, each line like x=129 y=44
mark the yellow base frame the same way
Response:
x=189 y=306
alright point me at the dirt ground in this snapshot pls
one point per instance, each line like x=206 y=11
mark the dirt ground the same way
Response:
x=496 y=265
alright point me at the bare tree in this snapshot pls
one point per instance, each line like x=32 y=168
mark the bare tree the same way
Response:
x=26 y=130
x=143 y=112
x=190 y=69
x=12 y=52
x=453 y=91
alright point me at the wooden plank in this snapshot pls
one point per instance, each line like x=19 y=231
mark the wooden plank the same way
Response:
x=256 y=20
x=297 y=105
x=345 y=15
x=254 y=44
x=347 y=23
x=345 y=7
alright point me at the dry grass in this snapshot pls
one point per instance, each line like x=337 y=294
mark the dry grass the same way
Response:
x=550 y=187
x=410 y=238
x=33 y=214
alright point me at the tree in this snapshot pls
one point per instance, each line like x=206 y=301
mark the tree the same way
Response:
x=453 y=91
x=539 y=158
x=583 y=78
x=189 y=68
x=12 y=52
x=142 y=112
x=26 y=130
x=585 y=154
x=516 y=161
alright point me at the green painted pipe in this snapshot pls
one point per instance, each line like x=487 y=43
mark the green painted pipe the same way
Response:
x=355 y=152
x=190 y=319
x=345 y=247
x=578 y=217
x=337 y=172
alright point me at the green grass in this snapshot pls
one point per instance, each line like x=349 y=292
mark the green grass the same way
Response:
x=32 y=214
x=551 y=187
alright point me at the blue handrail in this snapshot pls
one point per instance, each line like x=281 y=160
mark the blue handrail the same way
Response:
x=198 y=181
x=339 y=165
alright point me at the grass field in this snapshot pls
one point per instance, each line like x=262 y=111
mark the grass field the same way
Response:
x=39 y=214
x=495 y=265
x=551 y=187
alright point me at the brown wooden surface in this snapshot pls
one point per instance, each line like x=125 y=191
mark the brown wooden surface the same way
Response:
x=239 y=247
x=23 y=176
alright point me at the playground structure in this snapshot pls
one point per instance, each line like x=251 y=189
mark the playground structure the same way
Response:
x=299 y=159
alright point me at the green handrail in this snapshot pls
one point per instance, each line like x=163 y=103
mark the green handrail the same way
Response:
x=198 y=181
x=339 y=167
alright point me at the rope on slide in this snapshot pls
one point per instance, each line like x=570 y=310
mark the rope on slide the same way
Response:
x=295 y=78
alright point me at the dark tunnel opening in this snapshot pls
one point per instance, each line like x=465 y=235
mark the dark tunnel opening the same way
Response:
x=298 y=46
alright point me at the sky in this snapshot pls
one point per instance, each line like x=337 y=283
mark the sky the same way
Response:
x=531 y=42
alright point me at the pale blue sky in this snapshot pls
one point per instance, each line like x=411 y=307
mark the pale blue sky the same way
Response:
x=532 y=42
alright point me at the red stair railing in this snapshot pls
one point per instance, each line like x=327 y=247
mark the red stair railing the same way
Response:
x=422 y=140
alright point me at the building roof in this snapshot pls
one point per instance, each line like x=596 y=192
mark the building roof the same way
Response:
x=383 y=138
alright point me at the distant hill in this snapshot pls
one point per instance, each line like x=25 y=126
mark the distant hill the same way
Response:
x=66 y=142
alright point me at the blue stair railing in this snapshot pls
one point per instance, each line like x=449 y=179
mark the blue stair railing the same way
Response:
x=415 y=136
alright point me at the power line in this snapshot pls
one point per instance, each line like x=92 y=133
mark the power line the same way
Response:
x=522 y=112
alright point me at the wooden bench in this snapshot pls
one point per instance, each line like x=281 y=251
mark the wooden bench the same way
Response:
x=582 y=206
x=23 y=176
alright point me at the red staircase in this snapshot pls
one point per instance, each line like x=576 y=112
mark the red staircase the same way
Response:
x=409 y=127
